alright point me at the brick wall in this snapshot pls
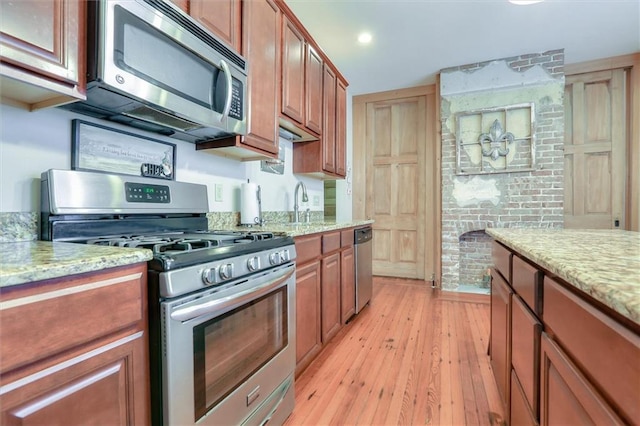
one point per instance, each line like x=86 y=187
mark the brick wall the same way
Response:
x=514 y=199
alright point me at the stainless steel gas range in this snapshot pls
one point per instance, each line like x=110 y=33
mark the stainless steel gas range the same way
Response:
x=221 y=304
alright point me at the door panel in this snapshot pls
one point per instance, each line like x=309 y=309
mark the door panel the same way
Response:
x=398 y=203
x=595 y=150
x=396 y=179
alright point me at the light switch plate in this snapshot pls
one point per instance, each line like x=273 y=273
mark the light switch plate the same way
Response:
x=316 y=201
x=218 y=192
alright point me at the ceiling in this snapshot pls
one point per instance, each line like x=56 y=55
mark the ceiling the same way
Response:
x=414 y=39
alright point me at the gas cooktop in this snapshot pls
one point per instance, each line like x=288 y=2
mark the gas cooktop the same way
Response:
x=180 y=249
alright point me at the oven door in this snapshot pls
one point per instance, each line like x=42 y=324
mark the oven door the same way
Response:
x=231 y=352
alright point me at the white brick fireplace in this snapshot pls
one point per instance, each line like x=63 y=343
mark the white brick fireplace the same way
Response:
x=505 y=183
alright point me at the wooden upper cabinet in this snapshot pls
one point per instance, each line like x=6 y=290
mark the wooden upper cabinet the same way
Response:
x=313 y=86
x=293 y=81
x=222 y=17
x=341 y=128
x=42 y=52
x=301 y=82
x=182 y=4
x=261 y=48
x=329 y=123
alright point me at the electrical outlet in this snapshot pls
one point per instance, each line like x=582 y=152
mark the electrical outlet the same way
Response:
x=316 y=201
x=218 y=192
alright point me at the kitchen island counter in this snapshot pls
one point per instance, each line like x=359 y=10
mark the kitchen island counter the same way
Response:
x=30 y=261
x=604 y=264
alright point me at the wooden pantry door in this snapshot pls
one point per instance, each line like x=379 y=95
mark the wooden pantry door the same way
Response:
x=394 y=137
x=595 y=150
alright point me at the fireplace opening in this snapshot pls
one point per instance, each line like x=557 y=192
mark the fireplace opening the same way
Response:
x=475 y=261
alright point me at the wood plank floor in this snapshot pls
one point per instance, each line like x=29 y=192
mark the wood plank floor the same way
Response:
x=413 y=356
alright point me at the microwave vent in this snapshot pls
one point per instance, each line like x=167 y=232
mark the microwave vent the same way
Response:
x=199 y=32
x=154 y=116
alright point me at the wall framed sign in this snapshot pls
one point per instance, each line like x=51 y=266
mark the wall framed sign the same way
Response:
x=95 y=147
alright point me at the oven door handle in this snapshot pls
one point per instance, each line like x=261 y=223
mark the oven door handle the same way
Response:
x=195 y=311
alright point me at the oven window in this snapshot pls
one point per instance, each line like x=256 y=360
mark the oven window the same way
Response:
x=230 y=348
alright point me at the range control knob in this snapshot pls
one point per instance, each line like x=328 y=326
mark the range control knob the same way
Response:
x=274 y=258
x=226 y=271
x=284 y=256
x=209 y=276
x=253 y=263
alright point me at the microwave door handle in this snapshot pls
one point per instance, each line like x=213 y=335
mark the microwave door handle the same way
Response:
x=227 y=102
x=191 y=312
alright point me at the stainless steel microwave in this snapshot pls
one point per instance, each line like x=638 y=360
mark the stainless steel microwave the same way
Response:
x=151 y=66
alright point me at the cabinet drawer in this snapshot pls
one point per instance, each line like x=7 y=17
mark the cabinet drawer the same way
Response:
x=526 y=281
x=330 y=241
x=501 y=257
x=307 y=248
x=346 y=237
x=606 y=352
x=44 y=324
x=520 y=409
x=567 y=396
x=525 y=351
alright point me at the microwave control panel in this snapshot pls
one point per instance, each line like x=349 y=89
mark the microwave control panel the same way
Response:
x=236 y=100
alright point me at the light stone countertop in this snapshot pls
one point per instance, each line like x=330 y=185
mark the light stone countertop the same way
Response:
x=29 y=261
x=296 y=230
x=604 y=264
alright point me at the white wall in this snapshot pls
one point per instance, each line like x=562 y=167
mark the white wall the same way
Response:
x=32 y=142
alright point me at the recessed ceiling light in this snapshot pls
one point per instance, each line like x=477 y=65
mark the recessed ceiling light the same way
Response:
x=364 y=38
x=525 y=2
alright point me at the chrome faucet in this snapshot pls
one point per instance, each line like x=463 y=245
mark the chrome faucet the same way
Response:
x=296 y=207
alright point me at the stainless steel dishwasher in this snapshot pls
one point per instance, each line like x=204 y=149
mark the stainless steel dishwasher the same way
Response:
x=364 y=277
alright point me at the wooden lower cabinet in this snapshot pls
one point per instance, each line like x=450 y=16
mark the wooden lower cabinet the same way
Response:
x=331 y=313
x=520 y=412
x=501 y=336
x=525 y=353
x=565 y=359
x=74 y=351
x=567 y=396
x=325 y=290
x=100 y=388
x=308 y=333
x=348 y=283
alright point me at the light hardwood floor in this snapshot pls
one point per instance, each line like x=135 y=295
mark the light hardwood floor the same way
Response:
x=413 y=356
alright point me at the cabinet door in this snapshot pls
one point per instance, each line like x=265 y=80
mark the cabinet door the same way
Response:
x=261 y=48
x=331 y=315
x=501 y=335
x=308 y=333
x=293 y=82
x=41 y=43
x=341 y=129
x=348 y=284
x=222 y=17
x=520 y=413
x=525 y=351
x=107 y=388
x=313 y=89
x=329 y=121
x=567 y=398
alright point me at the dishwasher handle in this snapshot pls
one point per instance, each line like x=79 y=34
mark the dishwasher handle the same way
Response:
x=362 y=235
